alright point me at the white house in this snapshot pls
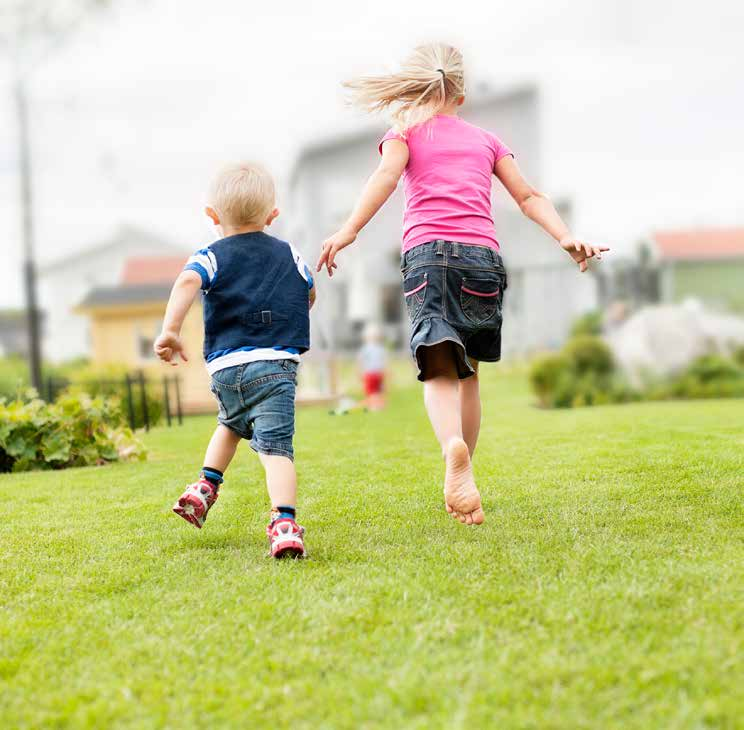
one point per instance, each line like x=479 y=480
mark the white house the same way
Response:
x=544 y=292
x=64 y=283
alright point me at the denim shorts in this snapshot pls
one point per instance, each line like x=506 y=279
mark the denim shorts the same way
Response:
x=454 y=292
x=257 y=401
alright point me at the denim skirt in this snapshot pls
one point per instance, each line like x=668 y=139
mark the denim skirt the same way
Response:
x=454 y=293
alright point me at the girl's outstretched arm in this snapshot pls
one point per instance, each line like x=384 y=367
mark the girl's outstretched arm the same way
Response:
x=537 y=207
x=378 y=189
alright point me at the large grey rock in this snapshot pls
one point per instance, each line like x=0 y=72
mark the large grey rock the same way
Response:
x=662 y=340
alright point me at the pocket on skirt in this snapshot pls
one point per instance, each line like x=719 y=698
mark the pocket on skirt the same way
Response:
x=414 y=290
x=480 y=299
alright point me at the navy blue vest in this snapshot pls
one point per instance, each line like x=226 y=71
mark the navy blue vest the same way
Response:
x=258 y=297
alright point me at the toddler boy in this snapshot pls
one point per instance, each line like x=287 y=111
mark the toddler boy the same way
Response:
x=256 y=295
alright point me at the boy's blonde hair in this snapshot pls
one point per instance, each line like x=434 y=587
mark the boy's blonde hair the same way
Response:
x=429 y=79
x=243 y=194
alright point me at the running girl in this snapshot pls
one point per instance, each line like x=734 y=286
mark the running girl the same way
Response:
x=453 y=276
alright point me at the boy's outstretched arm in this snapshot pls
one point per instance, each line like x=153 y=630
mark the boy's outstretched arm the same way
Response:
x=378 y=189
x=182 y=296
x=537 y=207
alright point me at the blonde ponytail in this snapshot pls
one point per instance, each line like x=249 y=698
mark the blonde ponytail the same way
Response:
x=427 y=81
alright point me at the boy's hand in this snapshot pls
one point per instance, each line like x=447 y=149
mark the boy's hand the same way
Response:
x=581 y=251
x=331 y=246
x=167 y=346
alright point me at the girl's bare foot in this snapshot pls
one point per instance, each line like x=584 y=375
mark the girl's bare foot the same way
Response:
x=461 y=496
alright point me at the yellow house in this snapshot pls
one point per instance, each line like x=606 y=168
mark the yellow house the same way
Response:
x=126 y=319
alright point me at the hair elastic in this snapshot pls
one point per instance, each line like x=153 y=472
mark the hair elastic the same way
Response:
x=441 y=71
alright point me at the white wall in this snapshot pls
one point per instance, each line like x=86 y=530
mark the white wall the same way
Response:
x=63 y=286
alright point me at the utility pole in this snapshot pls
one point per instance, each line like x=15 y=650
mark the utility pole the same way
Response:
x=27 y=215
x=29 y=30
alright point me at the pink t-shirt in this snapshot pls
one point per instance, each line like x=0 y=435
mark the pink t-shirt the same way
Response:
x=447 y=182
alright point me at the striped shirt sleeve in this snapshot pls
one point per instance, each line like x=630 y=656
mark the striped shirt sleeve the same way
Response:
x=302 y=267
x=203 y=263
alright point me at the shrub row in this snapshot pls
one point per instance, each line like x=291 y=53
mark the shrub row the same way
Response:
x=75 y=430
x=583 y=373
x=79 y=376
x=109 y=381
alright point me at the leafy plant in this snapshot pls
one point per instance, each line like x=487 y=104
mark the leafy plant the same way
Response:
x=710 y=368
x=589 y=354
x=583 y=373
x=710 y=376
x=79 y=376
x=13 y=376
x=76 y=430
x=109 y=381
x=588 y=324
x=546 y=375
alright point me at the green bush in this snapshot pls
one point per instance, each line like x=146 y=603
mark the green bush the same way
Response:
x=79 y=376
x=588 y=324
x=75 y=430
x=109 y=381
x=13 y=376
x=589 y=354
x=573 y=377
x=710 y=376
x=581 y=374
x=712 y=368
x=545 y=375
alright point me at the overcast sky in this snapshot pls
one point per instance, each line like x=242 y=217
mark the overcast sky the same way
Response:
x=130 y=119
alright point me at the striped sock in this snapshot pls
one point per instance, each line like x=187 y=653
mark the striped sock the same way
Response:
x=213 y=476
x=283 y=512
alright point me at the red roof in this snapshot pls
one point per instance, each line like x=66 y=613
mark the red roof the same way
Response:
x=699 y=245
x=152 y=269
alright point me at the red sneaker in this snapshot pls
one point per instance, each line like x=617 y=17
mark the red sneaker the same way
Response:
x=196 y=501
x=286 y=539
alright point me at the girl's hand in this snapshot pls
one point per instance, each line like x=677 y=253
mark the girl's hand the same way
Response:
x=331 y=246
x=581 y=251
x=167 y=346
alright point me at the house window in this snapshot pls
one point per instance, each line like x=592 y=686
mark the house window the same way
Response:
x=146 y=336
x=392 y=303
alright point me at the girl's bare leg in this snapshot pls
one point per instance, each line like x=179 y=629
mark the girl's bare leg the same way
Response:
x=441 y=393
x=470 y=409
x=442 y=400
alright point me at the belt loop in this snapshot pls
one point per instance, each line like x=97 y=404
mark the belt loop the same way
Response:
x=455 y=250
x=440 y=248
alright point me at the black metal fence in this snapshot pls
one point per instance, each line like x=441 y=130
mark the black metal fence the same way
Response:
x=145 y=400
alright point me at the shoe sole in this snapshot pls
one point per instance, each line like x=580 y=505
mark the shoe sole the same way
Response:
x=184 y=507
x=289 y=549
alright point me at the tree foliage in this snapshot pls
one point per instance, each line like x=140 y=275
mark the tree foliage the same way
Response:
x=31 y=29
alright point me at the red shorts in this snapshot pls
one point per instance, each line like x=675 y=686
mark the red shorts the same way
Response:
x=373 y=383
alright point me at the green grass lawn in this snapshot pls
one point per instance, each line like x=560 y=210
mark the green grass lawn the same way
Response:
x=606 y=588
